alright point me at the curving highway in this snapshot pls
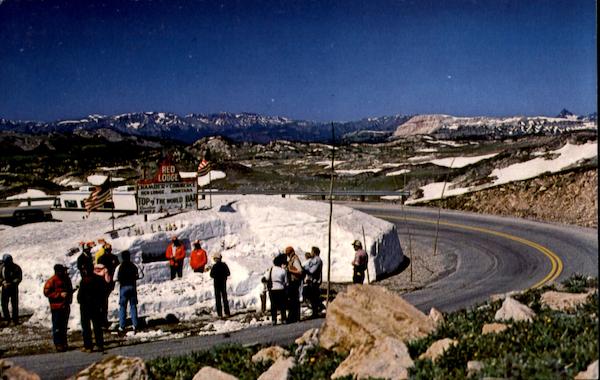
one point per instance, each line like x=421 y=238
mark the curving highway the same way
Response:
x=494 y=255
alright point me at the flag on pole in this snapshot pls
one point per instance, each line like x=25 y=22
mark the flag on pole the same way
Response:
x=203 y=168
x=99 y=195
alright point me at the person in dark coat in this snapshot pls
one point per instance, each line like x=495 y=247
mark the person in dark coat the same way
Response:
x=110 y=262
x=11 y=276
x=85 y=258
x=219 y=272
x=127 y=274
x=59 y=291
x=91 y=292
x=295 y=273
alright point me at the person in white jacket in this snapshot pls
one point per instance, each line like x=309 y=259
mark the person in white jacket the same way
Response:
x=276 y=279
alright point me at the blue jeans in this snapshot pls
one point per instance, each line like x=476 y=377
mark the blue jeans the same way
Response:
x=127 y=294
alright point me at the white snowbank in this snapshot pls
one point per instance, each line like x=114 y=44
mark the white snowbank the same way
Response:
x=251 y=230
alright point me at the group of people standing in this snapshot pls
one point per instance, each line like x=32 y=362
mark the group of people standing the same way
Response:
x=99 y=272
x=284 y=281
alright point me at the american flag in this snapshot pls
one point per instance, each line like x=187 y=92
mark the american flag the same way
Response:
x=99 y=195
x=203 y=168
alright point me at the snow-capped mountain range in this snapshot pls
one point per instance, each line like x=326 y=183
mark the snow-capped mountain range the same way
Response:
x=256 y=128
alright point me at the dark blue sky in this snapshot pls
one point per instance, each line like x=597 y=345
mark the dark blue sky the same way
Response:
x=317 y=60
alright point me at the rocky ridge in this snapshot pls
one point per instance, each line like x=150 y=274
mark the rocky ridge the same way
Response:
x=569 y=198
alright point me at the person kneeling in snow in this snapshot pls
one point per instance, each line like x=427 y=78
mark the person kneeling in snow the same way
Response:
x=219 y=272
x=198 y=257
x=127 y=275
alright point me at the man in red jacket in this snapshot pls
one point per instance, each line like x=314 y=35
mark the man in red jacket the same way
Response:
x=175 y=254
x=198 y=257
x=59 y=291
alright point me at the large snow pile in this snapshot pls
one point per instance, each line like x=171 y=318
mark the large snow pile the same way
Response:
x=247 y=230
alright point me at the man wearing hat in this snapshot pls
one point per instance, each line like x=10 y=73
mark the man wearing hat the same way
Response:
x=359 y=263
x=175 y=254
x=59 y=291
x=219 y=272
x=11 y=277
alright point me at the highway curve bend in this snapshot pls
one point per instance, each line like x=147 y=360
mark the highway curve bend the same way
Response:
x=494 y=254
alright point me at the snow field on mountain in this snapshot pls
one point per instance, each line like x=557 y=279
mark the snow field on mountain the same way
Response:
x=248 y=230
x=568 y=155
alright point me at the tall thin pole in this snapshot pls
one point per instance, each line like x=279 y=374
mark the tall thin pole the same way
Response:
x=330 y=213
x=209 y=191
x=437 y=225
x=113 y=203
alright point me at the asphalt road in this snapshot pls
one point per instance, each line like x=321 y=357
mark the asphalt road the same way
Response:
x=494 y=255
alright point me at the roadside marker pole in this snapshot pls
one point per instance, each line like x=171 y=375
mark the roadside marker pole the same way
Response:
x=330 y=215
x=437 y=225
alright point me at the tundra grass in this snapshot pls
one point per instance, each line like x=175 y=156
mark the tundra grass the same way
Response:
x=555 y=345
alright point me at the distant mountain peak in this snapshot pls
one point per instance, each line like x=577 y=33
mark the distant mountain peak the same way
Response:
x=564 y=113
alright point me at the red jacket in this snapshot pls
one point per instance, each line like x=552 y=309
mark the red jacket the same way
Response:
x=176 y=259
x=198 y=259
x=54 y=288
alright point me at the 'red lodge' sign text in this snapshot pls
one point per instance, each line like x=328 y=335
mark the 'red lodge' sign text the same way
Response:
x=166 y=191
x=167 y=173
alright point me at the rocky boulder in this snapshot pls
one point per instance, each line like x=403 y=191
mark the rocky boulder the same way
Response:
x=437 y=349
x=387 y=358
x=365 y=313
x=210 y=373
x=492 y=328
x=563 y=301
x=514 y=310
x=115 y=367
x=308 y=341
x=436 y=316
x=590 y=373
x=280 y=370
x=8 y=370
x=270 y=354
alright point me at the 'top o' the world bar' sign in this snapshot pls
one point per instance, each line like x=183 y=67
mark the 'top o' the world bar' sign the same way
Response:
x=166 y=191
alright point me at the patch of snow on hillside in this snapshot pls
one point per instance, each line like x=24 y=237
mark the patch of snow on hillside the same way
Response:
x=248 y=232
x=397 y=172
x=447 y=142
x=461 y=162
x=356 y=171
x=30 y=193
x=327 y=164
x=421 y=159
x=391 y=165
x=426 y=150
x=569 y=154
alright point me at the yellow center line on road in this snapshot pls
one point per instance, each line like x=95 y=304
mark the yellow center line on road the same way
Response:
x=555 y=261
